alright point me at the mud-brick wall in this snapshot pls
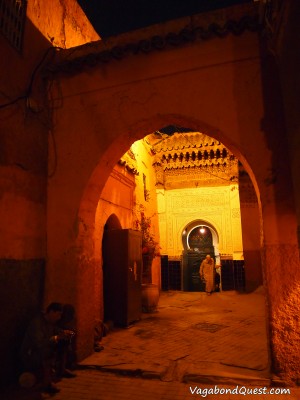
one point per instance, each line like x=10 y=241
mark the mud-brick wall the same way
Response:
x=25 y=124
x=23 y=185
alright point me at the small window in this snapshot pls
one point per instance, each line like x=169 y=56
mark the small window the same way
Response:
x=12 y=21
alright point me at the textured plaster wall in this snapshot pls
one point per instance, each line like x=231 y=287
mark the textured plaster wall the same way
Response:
x=116 y=199
x=62 y=22
x=287 y=46
x=24 y=128
x=251 y=242
x=251 y=227
x=287 y=50
x=122 y=194
x=220 y=87
x=218 y=206
x=281 y=255
x=23 y=180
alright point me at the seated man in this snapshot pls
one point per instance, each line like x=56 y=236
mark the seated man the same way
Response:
x=38 y=350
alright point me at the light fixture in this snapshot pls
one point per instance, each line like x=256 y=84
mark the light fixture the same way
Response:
x=202 y=230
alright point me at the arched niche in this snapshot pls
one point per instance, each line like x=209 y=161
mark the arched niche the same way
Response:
x=112 y=223
x=201 y=224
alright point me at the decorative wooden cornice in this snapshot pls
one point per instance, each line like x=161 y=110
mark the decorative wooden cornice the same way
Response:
x=181 y=141
x=192 y=159
x=131 y=169
x=194 y=177
x=192 y=150
x=155 y=43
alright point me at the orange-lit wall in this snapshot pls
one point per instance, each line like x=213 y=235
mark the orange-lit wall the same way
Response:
x=225 y=87
x=286 y=45
x=219 y=206
x=24 y=129
x=62 y=23
x=116 y=199
x=213 y=87
x=251 y=226
x=251 y=245
x=121 y=196
x=144 y=161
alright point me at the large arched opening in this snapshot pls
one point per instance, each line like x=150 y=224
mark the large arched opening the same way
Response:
x=108 y=109
x=122 y=204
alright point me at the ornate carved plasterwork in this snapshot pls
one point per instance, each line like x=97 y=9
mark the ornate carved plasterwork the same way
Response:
x=200 y=177
x=185 y=140
x=131 y=154
x=215 y=205
x=170 y=241
x=196 y=202
x=128 y=161
x=193 y=160
x=160 y=176
x=195 y=177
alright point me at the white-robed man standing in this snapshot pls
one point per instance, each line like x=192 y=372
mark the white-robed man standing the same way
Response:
x=207 y=273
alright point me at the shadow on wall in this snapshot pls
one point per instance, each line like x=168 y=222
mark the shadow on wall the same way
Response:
x=23 y=172
x=21 y=290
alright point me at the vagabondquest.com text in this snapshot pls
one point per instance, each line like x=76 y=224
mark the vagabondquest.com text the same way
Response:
x=242 y=390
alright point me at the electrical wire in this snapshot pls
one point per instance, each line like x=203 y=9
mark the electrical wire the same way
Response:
x=12 y=102
x=32 y=79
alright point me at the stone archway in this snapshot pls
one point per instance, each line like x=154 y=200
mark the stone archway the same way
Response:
x=105 y=110
x=85 y=255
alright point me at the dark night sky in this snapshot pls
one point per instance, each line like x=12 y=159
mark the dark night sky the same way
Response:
x=112 y=17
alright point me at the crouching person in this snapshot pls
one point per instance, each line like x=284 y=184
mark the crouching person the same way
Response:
x=39 y=347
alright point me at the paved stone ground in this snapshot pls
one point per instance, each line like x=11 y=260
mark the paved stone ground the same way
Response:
x=192 y=343
x=193 y=338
